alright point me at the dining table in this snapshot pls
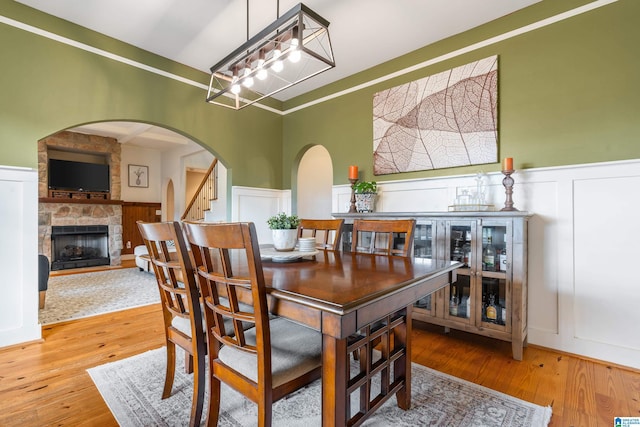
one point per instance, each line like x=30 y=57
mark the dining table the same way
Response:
x=358 y=302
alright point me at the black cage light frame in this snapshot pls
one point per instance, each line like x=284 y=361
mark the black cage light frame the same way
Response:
x=293 y=48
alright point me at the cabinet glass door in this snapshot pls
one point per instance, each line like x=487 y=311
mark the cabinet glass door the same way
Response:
x=423 y=247
x=494 y=290
x=347 y=231
x=460 y=236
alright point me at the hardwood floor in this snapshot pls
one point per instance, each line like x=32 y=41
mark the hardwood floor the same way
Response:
x=583 y=393
x=47 y=383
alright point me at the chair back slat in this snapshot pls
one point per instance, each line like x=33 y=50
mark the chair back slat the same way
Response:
x=328 y=232
x=168 y=267
x=229 y=271
x=379 y=236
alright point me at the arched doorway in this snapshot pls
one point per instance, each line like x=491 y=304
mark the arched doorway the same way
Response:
x=169 y=206
x=158 y=153
x=163 y=165
x=314 y=184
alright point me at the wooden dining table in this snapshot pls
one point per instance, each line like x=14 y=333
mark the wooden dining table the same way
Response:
x=357 y=301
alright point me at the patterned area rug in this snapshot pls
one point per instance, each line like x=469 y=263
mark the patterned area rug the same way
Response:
x=132 y=388
x=75 y=296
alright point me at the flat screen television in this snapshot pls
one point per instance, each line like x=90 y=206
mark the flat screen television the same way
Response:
x=78 y=176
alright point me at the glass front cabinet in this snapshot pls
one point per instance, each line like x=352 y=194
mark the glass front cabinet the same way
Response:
x=490 y=295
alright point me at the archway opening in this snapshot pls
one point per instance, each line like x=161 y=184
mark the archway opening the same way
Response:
x=314 y=184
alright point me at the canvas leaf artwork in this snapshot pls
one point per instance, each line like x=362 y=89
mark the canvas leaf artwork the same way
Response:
x=441 y=121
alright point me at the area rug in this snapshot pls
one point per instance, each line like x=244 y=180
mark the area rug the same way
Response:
x=76 y=296
x=132 y=388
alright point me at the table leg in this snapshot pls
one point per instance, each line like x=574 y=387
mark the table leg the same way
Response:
x=402 y=336
x=334 y=381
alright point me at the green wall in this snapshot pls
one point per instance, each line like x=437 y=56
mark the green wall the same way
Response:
x=48 y=86
x=569 y=93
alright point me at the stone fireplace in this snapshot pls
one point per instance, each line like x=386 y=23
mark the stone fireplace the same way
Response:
x=80 y=213
x=74 y=246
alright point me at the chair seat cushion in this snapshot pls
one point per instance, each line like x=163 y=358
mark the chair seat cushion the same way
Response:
x=183 y=325
x=295 y=350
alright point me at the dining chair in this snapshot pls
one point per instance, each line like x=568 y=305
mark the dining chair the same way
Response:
x=266 y=362
x=181 y=309
x=383 y=236
x=328 y=232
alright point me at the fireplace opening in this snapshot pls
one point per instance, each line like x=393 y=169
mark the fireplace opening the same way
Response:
x=75 y=246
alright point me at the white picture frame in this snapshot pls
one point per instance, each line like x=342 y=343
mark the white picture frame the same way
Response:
x=139 y=176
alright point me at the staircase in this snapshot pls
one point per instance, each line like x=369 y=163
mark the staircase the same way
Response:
x=206 y=192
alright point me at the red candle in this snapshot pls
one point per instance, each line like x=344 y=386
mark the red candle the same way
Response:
x=507 y=164
x=353 y=172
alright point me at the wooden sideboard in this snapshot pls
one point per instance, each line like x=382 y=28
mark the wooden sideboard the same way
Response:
x=489 y=298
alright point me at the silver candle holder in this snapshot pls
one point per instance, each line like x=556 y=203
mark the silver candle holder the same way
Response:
x=352 y=205
x=508 y=182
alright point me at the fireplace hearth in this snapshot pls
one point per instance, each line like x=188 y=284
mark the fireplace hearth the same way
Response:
x=76 y=246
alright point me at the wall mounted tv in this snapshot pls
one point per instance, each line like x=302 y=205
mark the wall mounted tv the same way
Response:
x=78 y=176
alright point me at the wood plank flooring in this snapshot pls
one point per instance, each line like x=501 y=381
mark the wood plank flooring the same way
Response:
x=46 y=384
x=582 y=392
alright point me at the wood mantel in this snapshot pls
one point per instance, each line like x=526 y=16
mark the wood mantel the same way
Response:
x=80 y=201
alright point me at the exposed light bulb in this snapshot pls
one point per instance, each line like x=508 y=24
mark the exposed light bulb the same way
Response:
x=248 y=80
x=262 y=72
x=295 y=54
x=277 y=65
x=235 y=87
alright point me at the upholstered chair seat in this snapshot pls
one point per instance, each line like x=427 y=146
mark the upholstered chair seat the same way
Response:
x=295 y=349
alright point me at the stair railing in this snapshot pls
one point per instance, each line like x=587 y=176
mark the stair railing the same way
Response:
x=206 y=192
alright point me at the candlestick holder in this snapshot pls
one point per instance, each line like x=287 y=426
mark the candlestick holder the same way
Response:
x=352 y=207
x=508 y=182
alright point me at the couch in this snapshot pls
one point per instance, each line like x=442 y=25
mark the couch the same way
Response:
x=142 y=258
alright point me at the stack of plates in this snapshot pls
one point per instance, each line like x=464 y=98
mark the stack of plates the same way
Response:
x=307 y=244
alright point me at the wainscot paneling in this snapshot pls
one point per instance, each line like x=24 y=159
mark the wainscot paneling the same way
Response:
x=607 y=291
x=582 y=298
x=132 y=212
x=257 y=205
x=18 y=256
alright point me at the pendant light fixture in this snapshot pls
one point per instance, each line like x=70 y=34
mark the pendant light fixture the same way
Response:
x=295 y=47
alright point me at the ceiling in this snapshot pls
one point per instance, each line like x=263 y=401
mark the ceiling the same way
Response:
x=199 y=33
x=136 y=134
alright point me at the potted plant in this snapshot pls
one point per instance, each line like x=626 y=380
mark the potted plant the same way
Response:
x=284 y=229
x=365 y=192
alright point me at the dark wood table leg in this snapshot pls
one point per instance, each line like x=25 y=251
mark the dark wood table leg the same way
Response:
x=334 y=381
x=402 y=336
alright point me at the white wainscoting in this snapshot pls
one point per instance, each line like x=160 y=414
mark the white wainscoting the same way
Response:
x=18 y=256
x=257 y=205
x=583 y=297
